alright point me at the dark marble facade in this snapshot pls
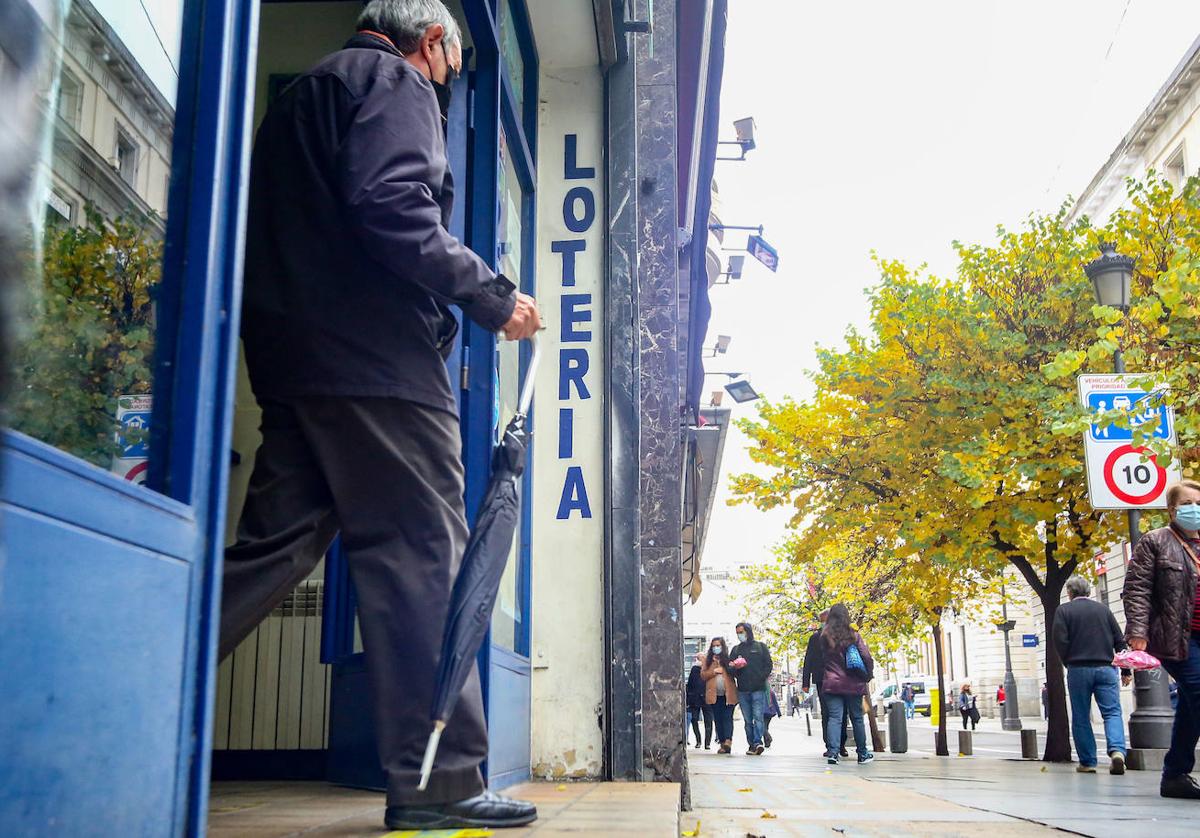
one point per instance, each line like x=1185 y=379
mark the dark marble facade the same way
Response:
x=664 y=755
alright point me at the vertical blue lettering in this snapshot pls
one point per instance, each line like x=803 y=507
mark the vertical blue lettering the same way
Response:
x=571 y=169
x=570 y=314
x=572 y=367
x=568 y=248
x=579 y=223
x=566 y=433
x=574 y=496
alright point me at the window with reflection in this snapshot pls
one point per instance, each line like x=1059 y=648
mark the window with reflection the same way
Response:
x=511 y=54
x=507 y=616
x=82 y=376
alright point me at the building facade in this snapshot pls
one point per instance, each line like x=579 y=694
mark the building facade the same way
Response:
x=1165 y=138
x=582 y=137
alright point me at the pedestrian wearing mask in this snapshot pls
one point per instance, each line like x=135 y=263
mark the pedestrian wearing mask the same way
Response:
x=848 y=670
x=720 y=692
x=966 y=706
x=752 y=665
x=1086 y=635
x=1162 y=617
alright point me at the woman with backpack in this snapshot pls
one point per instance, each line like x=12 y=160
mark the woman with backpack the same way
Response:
x=966 y=706
x=848 y=668
x=720 y=692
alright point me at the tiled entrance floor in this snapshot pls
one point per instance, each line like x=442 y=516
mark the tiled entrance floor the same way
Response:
x=276 y=810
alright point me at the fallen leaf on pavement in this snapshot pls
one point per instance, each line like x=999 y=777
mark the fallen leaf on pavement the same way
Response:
x=767 y=816
x=562 y=787
x=694 y=832
x=745 y=790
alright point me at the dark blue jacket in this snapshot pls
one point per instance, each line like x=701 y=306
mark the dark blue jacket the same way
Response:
x=349 y=267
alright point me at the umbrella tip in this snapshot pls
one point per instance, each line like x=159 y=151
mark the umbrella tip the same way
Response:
x=431 y=748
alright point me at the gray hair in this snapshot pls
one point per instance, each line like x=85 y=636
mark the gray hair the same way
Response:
x=1077 y=586
x=406 y=21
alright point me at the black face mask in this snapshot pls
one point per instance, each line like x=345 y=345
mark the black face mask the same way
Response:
x=443 y=91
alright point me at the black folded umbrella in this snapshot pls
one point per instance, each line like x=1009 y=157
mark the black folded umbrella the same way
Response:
x=483 y=563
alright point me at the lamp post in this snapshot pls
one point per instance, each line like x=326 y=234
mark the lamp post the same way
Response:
x=1010 y=718
x=1150 y=722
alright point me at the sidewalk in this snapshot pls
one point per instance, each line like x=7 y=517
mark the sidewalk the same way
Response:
x=579 y=810
x=790 y=791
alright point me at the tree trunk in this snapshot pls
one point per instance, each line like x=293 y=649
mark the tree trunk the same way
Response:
x=942 y=749
x=869 y=709
x=1058 y=735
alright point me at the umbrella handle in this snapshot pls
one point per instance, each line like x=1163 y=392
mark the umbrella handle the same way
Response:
x=530 y=377
x=431 y=749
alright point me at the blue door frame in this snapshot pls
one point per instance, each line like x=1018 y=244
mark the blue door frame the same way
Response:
x=506 y=674
x=109 y=593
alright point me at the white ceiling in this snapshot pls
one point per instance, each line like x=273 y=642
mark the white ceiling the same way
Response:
x=565 y=33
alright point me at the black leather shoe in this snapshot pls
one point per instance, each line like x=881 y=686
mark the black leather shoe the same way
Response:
x=488 y=811
x=1183 y=786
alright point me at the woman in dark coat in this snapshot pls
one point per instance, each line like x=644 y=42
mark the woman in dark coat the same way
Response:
x=696 y=706
x=843 y=684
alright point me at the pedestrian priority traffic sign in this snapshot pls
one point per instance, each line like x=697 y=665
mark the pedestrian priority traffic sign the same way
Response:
x=1121 y=473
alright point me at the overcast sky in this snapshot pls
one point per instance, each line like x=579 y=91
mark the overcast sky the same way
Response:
x=900 y=127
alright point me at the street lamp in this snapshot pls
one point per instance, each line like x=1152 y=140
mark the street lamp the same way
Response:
x=1011 y=714
x=1150 y=722
x=1111 y=276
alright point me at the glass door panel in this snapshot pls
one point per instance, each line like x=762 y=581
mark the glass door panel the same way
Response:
x=83 y=363
x=508 y=614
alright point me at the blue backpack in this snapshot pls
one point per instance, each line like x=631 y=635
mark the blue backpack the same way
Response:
x=854 y=663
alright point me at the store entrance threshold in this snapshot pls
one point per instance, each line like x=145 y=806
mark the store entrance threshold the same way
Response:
x=280 y=809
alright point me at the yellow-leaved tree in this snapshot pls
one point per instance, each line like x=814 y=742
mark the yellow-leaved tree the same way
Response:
x=934 y=431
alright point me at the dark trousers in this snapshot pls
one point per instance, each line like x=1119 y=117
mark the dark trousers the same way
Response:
x=723 y=719
x=388 y=474
x=1185 y=733
x=825 y=701
x=694 y=713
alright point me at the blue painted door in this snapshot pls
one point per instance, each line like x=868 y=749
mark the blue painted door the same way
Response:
x=113 y=498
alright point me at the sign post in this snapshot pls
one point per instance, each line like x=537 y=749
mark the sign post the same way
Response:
x=1121 y=475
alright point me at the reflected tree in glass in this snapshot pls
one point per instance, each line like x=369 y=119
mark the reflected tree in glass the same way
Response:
x=91 y=336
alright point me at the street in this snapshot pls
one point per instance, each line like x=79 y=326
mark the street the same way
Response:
x=792 y=791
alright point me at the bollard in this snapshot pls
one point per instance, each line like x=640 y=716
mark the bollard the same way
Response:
x=1029 y=744
x=898 y=728
x=965 y=748
x=880 y=743
x=808 y=722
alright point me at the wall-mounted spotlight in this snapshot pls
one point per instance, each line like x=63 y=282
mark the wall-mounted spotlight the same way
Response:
x=733 y=269
x=721 y=346
x=741 y=391
x=744 y=131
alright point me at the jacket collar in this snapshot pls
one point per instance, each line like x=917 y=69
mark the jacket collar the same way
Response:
x=372 y=40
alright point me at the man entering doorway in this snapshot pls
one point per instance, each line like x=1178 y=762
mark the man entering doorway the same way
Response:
x=350 y=272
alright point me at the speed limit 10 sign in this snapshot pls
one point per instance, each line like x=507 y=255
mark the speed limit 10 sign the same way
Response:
x=1119 y=475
